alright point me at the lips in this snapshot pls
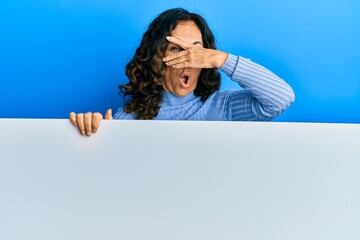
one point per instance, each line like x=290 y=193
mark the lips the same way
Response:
x=185 y=80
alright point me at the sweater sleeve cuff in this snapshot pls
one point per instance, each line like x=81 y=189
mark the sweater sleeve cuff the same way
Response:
x=229 y=66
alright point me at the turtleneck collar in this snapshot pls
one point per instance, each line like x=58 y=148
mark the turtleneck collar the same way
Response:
x=170 y=99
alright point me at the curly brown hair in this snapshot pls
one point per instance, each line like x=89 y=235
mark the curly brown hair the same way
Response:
x=146 y=69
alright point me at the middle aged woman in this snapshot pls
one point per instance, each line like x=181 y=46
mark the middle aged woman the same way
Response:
x=173 y=76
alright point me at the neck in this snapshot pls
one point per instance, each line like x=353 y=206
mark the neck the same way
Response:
x=171 y=99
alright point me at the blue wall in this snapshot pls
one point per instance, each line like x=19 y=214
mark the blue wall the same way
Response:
x=69 y=55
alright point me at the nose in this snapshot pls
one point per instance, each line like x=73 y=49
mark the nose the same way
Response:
x=186 y=70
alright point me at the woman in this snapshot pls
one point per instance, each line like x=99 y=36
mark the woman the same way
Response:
x=173 y=76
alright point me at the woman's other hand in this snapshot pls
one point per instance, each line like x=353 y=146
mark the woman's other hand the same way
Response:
x=89 y=122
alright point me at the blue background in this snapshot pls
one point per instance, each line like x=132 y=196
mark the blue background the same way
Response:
x=69 y=55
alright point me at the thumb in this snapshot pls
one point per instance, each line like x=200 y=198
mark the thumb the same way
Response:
x=108 y=114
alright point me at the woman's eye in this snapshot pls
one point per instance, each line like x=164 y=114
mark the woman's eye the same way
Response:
x=175 y=49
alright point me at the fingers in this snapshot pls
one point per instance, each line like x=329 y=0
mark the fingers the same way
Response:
x=196 y=57
x=191 y=58
x=88 y=123
x=97 y=117
x=179 y=63
x=80 y=123
x=180 y=59
x=179 y=42
x=72 y=118
x=108 y=114
x=175 y=58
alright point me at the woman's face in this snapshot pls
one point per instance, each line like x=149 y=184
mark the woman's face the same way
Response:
x=182 y=81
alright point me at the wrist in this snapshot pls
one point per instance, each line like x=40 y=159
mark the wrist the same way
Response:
x=220 y=59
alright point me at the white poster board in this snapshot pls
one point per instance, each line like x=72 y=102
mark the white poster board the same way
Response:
x=179 y=180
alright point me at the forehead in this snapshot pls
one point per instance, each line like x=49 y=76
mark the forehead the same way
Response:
x=188 y=31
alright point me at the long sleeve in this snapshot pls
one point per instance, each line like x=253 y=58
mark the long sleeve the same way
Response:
x=265 y=96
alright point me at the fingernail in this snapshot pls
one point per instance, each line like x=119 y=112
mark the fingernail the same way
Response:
x=164 y=59
x=168 y=37
x=83 y=133
x=88 y=133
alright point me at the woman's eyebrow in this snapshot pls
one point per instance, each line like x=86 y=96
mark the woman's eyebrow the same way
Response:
x=198 y=42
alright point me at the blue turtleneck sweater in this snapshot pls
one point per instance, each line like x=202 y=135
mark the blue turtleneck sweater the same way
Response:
x=264 y=96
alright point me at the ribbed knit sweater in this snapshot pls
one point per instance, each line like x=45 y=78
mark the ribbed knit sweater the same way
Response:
x=264 y=96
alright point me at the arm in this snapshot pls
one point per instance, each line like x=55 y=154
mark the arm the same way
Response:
x=265 y=97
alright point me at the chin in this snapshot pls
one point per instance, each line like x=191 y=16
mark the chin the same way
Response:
x=183 y=93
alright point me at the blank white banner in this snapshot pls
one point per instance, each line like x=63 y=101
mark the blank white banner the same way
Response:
x=179 y=180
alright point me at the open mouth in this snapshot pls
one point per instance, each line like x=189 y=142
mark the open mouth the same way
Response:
x=185 y=80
